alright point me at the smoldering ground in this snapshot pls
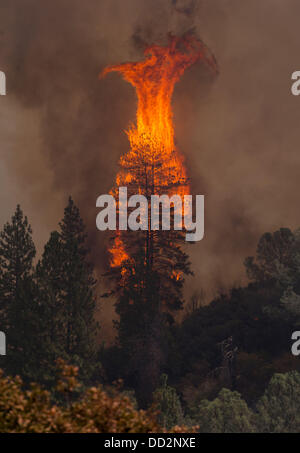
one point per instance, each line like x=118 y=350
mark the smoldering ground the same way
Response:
x=62 y=129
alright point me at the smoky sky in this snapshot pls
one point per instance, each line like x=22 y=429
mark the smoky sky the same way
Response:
x=62 y=129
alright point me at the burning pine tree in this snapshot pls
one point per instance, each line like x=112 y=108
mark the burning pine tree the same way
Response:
x=148 y=266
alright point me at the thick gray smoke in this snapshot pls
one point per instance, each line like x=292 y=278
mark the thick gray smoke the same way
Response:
x=62 y=129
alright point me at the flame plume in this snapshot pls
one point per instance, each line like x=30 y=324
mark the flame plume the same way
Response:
x=153 y=164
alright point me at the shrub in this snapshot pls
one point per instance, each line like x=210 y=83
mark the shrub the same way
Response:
x=95 y=411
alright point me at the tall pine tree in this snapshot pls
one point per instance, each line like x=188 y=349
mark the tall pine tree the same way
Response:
x=67 y=295
x=18 y=307
x=148 y=269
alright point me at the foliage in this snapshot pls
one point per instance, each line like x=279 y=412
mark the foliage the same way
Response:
x=97 y=411
x=253 y=374
x=47 y=313
x=18 y=306
x=67 y=297
x=239 y=314
x=278 y=261
x=228 y=413
x=168 y=404
x=274 y=256
x=148 y=271
x=278 y=409
x=255 y=315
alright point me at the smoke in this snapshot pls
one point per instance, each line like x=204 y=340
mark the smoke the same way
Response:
x=171 y=16
x=187 y=8
x=62 y=129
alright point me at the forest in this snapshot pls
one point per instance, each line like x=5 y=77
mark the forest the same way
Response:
x=226 y=366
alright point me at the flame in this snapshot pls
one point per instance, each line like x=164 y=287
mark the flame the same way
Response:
x=152 y=137
x=176 y=275
x=118 y=252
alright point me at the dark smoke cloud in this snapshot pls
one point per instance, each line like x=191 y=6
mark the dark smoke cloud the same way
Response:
x=62 y=129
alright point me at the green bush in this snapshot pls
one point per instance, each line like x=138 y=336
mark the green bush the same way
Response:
x=278 y=411
x=228 y=413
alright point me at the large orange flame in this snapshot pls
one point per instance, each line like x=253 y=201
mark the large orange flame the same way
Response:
x=152 y=138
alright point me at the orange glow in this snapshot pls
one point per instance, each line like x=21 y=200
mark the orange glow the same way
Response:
x=176 y=275
x=118 y=253
x=152 y=137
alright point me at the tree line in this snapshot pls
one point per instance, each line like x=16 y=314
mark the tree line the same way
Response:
x=48 y=309
x=232 y=356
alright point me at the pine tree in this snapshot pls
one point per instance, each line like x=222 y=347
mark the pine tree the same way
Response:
x=67 y=295
x=149 y=281
x=168 y=404
x=275 y=257
x=17 y=292
x=48 y=275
